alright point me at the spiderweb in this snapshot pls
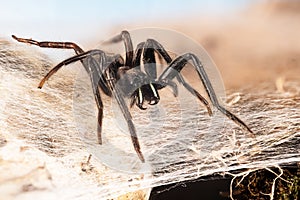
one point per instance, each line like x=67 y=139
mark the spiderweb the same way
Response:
x=47 y=135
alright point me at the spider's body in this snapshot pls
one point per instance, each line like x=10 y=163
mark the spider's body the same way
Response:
x=125 y=78
x=135 y=84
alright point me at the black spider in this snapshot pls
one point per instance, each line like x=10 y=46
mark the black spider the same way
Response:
x=116 y=77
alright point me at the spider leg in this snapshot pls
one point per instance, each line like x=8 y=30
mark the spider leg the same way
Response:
x=78 y=57
x=47 y=44
x=124 y=36
x=152 y=46
x=149 y=59
x=124 y=109
x=195 y=93
x=100 y=113
x=138 y=55
x=59 y=45
x=140 y=49
x=96 y=70
x=177 y=65
x=92 y=67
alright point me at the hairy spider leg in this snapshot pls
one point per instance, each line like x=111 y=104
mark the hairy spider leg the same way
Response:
x=125 y=37
x=177 y=65
x=81 y=55
x=47 y=44
x=149 y=60
x=95 y=74
x=51 y=44
x=137 y=64
x=57 y=45
x=159 y=49
x=124 y=109
x=152 y=46
x=138 y=55
x=111 y=74
x=70 y=60
x=96 y=70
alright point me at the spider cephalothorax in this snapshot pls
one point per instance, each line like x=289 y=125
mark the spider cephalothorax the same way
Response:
x=118 y=77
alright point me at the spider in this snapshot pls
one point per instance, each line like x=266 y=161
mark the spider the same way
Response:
x=122 y=78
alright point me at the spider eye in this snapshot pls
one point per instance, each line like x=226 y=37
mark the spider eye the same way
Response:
x=135 y=80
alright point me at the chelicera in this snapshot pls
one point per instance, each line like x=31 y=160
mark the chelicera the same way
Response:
x=122 y=78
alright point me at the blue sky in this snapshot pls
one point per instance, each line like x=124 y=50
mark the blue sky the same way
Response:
x=77 y=19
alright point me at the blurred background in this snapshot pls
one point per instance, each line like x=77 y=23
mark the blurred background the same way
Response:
x=250 y=41
x=254 y=43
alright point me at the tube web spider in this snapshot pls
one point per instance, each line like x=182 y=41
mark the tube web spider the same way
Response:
x=122 y=78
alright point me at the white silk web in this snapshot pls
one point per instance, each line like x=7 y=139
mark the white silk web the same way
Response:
x=51 y=132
